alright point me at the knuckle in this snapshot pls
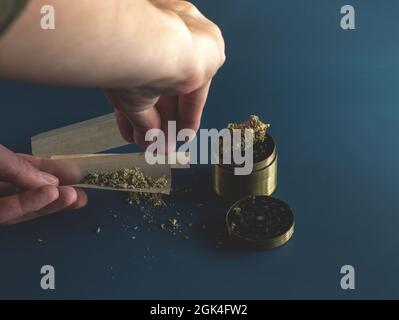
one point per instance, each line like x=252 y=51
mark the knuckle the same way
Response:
x=190 y=85
x=195 y=78
x=223 y=59
x=19 y=169
x=220 y=42
x=186 y=7
x=15 y=174
x=215 y=28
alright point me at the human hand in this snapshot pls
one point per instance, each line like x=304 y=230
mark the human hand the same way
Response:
x=182 y=95
x=155 y=58
x=30 y=188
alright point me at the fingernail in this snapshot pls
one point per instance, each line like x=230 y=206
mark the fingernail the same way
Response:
x=49 y=178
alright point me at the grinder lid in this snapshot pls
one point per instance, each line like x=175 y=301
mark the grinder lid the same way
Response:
x=261 y=222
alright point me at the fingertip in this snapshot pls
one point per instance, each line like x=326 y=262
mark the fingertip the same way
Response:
x=48 y=194
x=49 y=179
x=81 y=200
x=142 y=122
x=139 y=139
x=68 y=196
x=125 y=128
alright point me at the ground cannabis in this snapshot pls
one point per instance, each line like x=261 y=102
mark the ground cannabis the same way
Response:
x=128 y=178
x=157 y=212
x=153 y=199
x=260 y=218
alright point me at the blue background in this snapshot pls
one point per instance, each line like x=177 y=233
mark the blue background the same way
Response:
x=332 y=98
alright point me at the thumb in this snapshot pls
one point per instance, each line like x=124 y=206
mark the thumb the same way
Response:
x=142 y=122
x=136 y=112
x=18 y=171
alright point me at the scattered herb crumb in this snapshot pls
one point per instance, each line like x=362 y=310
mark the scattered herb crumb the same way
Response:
x=173 y=223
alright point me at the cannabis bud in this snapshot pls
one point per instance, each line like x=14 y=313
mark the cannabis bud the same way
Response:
x=259 y=130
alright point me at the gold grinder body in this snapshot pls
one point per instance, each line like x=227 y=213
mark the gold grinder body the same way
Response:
x=262 y=180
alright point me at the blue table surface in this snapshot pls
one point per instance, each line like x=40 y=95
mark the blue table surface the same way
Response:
x=332 y=98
